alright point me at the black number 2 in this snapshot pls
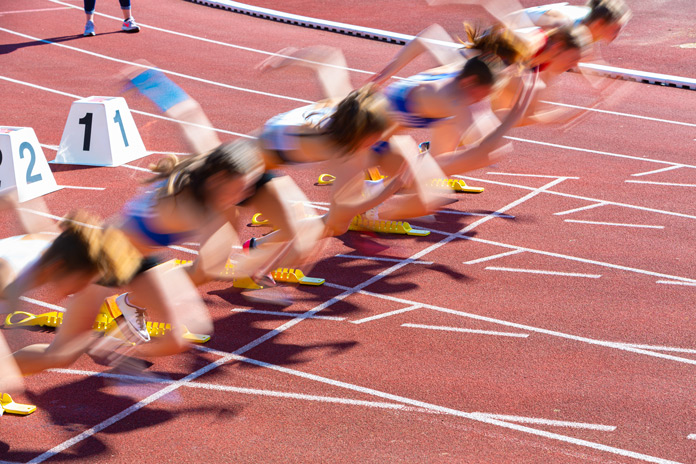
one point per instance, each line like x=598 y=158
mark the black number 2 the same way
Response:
x=31 y=178
x=87 y=121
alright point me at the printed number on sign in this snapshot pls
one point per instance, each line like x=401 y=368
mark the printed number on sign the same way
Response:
x=87 y=121
x=31 y=178
x=117 y=119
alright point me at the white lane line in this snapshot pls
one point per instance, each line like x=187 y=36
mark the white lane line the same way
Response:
x=668 y=168
x=672 y=282
x=618 y=224
x=33 y=11
x=496 y=173
x=669 y=184
x=492 y=257
x=128 y=411
x=628 y=115
x=538 y=271
x=673 y=349
x=377 y=258
x=608 y=344
x=691 y=436
x=582 y=208
x=165 y=71
x=458 y=413
x=570 y=258
x=231 y=389
x=553 y=423
x=42 y=303
x=136 y=168
x=144 y=113
x=464 y=213
x=383 y=315
x=327 y=399
x=185 y=250
x=217 y=42
x=579 y=197
x=282 y=314
x=471 y=331
x=599 y=152
x=76 y=187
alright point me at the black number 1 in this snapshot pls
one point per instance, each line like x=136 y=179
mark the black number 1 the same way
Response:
x=87 y=121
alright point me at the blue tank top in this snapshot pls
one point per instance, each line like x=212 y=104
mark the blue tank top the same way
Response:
x=398 y=96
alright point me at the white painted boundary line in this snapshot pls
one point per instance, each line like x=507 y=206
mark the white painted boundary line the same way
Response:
x=329 y=399
x=383 y=315
x=692 y=436
x=616 y=113
x=377 y=258
x=555 y=423
x=599 y=152
x=401 y=39
x=618 y=224
x=673 y=349
x=496 y=173
x=76 y=187
x=282 y=314
x=455 y=412
x=31 y=11
x=471 y=331
x=656 y=171
x=538 y=271
x=579 y=197
x=670 y=184
x=140 y=65
x=43 y=304
x=466 y=213
x=582 y=208
x=492 y=257
x=671 y=282
x=591 y=341
x=568 y=257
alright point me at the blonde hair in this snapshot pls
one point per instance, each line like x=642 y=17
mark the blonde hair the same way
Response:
x=236 y=158
x=361 y=114
x=497 y=40
x=84 y=247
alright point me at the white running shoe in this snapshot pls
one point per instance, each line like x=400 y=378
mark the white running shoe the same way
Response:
x=133 y=318
x=129 y=25
x=89 y=29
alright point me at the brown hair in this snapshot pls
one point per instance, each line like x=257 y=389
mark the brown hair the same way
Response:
x=609 y=11
x=497 y=40
x=570 y=37
x=357 y=116
x=236 y=158
x=84 y=247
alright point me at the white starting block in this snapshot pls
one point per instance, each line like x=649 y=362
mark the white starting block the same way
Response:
x=23 y=165
x=100 y=131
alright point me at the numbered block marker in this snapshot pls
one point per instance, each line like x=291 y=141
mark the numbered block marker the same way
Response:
x=23 y=165
x=100 y=131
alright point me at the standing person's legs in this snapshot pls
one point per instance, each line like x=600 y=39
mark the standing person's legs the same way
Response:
x=89 y=12
x=129 y=24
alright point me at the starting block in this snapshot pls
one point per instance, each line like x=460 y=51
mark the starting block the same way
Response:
x=9 y=406
x=105 y=321
x=256 y=221
x=458 y=185
x=362 y=224
x=23 y=165
x=156 y=329
x=285 y=275
x=326 y=179
x=100 y=131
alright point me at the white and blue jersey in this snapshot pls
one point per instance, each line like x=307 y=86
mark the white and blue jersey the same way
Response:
x=20 y=252
x=574 y=15
x=401 y=109
x=280 y=133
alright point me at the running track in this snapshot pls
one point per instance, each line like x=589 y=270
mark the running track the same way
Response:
x=548 y=319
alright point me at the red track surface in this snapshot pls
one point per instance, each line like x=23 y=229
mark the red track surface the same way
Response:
x=376 y=391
